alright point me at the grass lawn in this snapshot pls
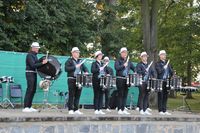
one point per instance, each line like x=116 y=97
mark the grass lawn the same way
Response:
x=174 y=103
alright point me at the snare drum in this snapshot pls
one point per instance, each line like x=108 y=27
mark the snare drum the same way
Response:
x=79 y=80
x=187 y=89
x=4 y=79
x=83 y=80
x=113 y=82
x=129 y=80
x=105 y=82
x=134 y=80
x=10 y=79
x=176 y=83
x=87 y=80
x=155 y=85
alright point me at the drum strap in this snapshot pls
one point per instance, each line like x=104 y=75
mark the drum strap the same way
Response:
x=78 y=70
x=146 y=76
x=101 y=73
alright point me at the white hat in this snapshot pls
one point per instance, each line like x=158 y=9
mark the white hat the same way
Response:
x=143 y=53
x=98 y=53
x=123 y=49
x=35 y=45
x=162 y=52
x=75 y=49
x=106 y=58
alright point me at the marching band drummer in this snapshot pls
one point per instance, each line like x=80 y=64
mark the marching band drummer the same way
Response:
x=144 y=69
x=164 y=72
x=98 y=70
x=32 y=63
x=74 y=66
x=122 y=67
x=107 y=91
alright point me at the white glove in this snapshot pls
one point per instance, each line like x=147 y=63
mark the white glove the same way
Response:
x=101 y=68
x=165 y=66
x=86 y=73
x=78 y=65
x=126 y=64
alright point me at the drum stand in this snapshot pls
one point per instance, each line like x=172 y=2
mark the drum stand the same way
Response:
x=47 y=106
x=66 y=97
x=6 y=101
x=185 y=107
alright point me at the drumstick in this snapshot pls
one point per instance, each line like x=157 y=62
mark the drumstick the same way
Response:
x=47 y=55
x=82 y=61
x=127 y=60
x=105 y=65
x=167 y=63
x=149 y=66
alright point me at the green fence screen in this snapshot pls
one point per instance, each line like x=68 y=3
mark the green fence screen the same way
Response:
x=13 y=64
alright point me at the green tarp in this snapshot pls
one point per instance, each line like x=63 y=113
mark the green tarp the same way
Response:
x=13 y=64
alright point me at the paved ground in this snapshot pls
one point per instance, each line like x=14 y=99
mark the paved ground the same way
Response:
x=16 y=115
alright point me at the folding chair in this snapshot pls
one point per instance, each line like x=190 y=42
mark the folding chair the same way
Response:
x=15 y=92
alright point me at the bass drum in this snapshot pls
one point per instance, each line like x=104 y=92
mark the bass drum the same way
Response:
x=51 y=70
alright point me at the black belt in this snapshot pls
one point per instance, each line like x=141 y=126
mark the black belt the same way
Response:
x=30 y=71
x=71 y=77
x=119 y=77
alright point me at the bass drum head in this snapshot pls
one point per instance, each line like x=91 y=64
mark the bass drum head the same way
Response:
x=51 y=70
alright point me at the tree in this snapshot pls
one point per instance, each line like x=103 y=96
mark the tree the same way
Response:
x=116 y=24
x=57 y=25
x=181 y=38
x=149 y=14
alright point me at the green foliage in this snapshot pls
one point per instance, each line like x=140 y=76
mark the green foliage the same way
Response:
x=179 y=35
x=59 y=25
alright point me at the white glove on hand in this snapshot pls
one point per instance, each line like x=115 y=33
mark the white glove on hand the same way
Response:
x=125 y=64
x=101 y=68
x=165 y=66
x=78 y=65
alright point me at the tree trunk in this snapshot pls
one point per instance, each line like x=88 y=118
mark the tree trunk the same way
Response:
x=146 y=24
x=154 y=30
x=189 y=78
x=149 y=26
x=189 y=66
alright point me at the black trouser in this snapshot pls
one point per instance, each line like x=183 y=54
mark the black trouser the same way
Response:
x=138 y=103
x=74 y=95
x=162 y=98
x=122 y=93
x=107 y=99
x=143 y=97
x=98 y=94
x=31 y=88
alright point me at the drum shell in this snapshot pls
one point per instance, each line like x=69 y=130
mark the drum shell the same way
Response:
x=51 y=70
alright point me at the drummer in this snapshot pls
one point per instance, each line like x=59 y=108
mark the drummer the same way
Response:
x=73 y=66
x=141 y=69
x=98 y=70
x=164 y=72
x=107 y=91
x=32 y=63
x=122 y=67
